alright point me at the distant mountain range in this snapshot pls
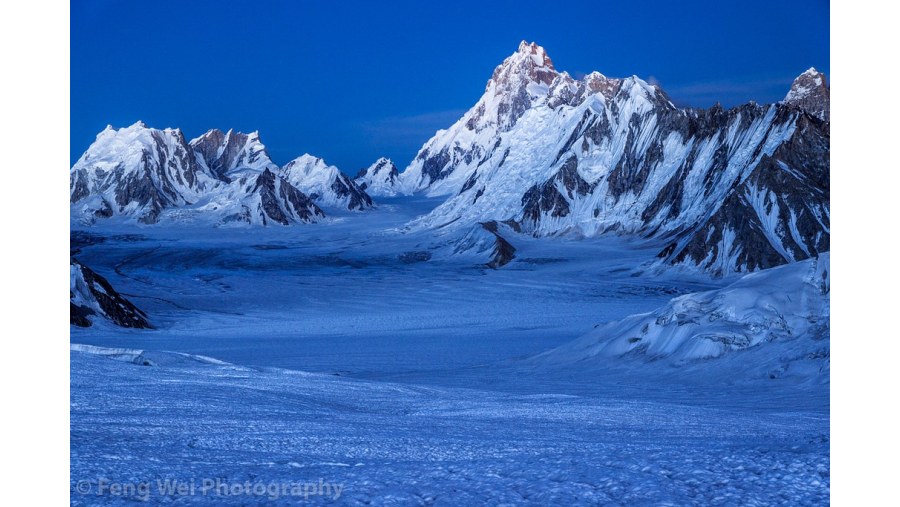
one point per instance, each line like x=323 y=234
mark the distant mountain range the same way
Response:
x=152 y=174
x=728 y=190
x=725 y=190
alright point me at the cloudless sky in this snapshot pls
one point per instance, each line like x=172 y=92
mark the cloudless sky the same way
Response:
x=352 y=81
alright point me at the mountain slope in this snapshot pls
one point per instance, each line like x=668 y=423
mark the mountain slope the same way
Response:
x=228 y=153
x=155 y=175
x=768 y=325
x=379 y=179
x=325 y=184
x=778 y=213
x=264 y=198
x=136 y=171
x=600 y=155
x=810 y=93
x=91 y=295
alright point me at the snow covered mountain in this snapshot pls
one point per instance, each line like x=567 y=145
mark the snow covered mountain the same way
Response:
x=379 y=179
x=153 y=175
x=263 y=198
x=91 y=295
x=229 y=153
x=769 y=324
x=325 y=184
x=137 y=171
x=727 y=190
x=519 y=83
x=811 y=94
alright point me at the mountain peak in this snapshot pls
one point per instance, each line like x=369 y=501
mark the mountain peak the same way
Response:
x=228 y=154
x=596 y=82
x=307 y=164
x=380 y=178
x=810 y=92
x=306 y=158
x=529 y=63
x=325 y=183
x=522 y=78
x=379 y=164
x=533 y=49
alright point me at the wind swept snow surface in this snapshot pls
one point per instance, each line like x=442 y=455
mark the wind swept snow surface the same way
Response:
x=394 y=444
x=402 y=368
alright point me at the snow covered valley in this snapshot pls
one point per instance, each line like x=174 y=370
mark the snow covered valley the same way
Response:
x=396 y=365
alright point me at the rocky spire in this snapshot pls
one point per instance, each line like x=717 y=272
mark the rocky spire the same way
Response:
x=810 y=92
x=529 y=64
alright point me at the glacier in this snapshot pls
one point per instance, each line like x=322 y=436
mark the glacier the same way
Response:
x=577 y=294
x=400 y=366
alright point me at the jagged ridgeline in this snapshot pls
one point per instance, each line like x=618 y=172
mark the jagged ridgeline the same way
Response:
x=725 y=189
x=151 y=175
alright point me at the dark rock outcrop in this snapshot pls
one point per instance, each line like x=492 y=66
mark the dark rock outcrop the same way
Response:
x=548 y=197
x=503 y=251
x=778 y=214
x=228 y=152
x=810 y=93
x=91 y=295
x=345 y=188
x=280 y=202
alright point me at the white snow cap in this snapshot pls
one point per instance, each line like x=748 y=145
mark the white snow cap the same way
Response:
x=538 y=52
x=307 y=163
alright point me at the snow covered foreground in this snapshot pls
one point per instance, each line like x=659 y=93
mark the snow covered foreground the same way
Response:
x=396 y=369
x=394 y=444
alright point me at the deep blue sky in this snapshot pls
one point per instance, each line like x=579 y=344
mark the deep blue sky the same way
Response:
x=352 y=81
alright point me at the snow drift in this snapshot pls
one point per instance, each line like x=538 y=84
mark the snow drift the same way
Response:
x=773 y=323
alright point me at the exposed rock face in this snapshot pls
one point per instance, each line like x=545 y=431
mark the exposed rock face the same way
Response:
x=515 y=86
x=551 y=198
x=509 y=85
x=152 y=174
x=91 y=296
x=503 y=251
x=778 y=214
x=279 y=201
x=325 y=184
x=379 y=179
x=727 y=190
x=136 y=171
x=810 y=93
x=228 y=154
x=486 y=240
